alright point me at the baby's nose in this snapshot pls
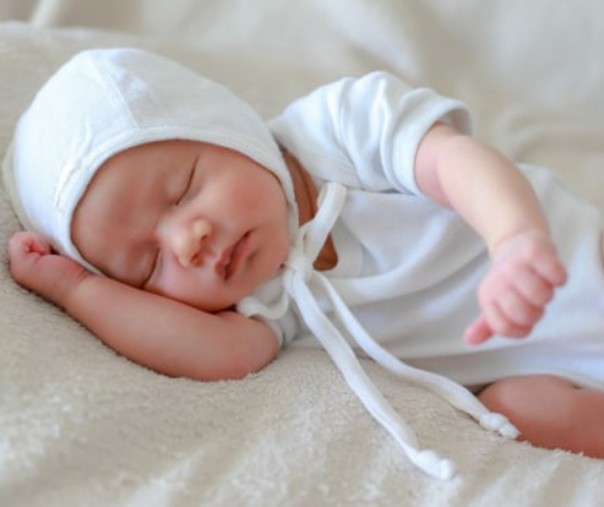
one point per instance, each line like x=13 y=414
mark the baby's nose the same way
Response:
x=189 y=242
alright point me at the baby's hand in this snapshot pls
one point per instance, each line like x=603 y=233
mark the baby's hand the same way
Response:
x=34 y=265
x=525 y=273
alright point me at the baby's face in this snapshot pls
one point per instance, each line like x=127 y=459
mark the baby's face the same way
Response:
x=191 y=221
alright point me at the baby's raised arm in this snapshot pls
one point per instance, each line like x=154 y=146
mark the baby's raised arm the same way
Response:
x=167 y=336
x=491 y=194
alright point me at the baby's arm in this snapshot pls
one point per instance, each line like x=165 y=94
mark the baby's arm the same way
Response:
x=489 y=192
x=162 y=334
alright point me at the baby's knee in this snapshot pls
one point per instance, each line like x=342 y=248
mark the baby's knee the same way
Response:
x=534 y=404
x=523 y=392
x=550 y=412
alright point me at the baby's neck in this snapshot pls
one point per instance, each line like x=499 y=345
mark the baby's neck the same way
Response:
x=306 y=198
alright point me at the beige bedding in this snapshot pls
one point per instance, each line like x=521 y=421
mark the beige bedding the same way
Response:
x=81 y=426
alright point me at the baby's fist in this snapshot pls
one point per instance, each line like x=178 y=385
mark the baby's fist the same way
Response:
x=34 y=266
x=525 y=273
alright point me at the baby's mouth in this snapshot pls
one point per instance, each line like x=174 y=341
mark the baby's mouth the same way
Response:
x=231 y=258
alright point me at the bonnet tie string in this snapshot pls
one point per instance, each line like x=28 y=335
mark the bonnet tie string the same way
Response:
x=299 y=275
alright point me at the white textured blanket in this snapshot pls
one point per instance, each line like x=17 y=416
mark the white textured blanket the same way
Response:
x=81 y=426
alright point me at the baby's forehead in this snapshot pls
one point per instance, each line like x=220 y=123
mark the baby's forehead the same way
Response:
x=148 y=164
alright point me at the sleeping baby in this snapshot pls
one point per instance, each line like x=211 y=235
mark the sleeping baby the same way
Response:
x=196 y=239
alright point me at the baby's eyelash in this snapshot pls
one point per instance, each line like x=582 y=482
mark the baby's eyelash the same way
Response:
x=152 y=269
x=188 y=185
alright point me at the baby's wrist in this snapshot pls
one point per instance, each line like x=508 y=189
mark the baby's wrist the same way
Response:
x=72 y=288
x=499 y=246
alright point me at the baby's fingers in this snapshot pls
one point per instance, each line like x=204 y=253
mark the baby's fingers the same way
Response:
x=534 y=288
x=512 y=315
x=25 y=249
x=503 y=322
x=496 y=320
x=551 y=269
x=24 y=243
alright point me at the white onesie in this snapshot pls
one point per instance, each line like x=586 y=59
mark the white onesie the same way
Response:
x=408 y=269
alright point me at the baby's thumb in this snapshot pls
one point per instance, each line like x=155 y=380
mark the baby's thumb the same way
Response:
x=478 y=332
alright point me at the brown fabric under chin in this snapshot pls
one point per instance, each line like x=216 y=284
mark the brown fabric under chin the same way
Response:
x=306 y=198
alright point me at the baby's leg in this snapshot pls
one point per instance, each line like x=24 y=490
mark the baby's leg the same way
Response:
x=551 y=412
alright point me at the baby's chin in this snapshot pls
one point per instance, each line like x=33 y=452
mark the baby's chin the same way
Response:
x=231 y=299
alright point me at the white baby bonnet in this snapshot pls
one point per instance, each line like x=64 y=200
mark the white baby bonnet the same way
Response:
x=104 y=101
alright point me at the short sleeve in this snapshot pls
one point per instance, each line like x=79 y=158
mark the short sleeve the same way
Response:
x=365 y=132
